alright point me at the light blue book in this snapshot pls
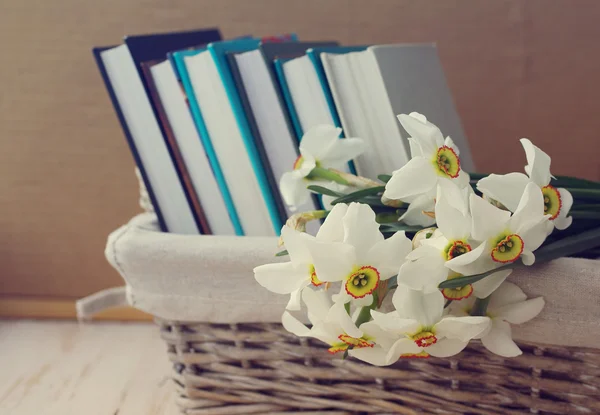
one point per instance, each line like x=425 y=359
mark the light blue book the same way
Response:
x=177 y=59
x=227 y=128
x=287 y=97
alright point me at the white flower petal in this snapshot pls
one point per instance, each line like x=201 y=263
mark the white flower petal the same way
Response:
x=462 y=180
x=294 y=326
x=449 y=142
x=332 y=230
x=446 y=347
x=507 y=293
x=488 y=220
x=293 y=188
x=530 y=209
x=318 y=140
x=417 y=126
x=402 y=347
x=378 y=335
x=414 y=215
x=506 y=189
x=538 y=163
x=344 y=150
x=377 y=356
x=518 y=313
x=317 y=303
x=527 y=257
x=473 y=262
x=461 y=328
x=337 y=314
x=534 y=233
x=283 y=278
x=393 y=323
x=452 y=222
x=485 y=287
x=361 y=230
x=387 y=255
x=296 y=243
x=414 y=178
x=426 y=308
x=499 y=340
x=425 y=272
x=333 y=261
x=294 y=304
x=563 y=221
x=415 y=147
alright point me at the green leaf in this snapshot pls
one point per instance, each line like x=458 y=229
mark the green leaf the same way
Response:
x=399 y=226
x=324 y=191
x=471 y=279
x=384 y=177
x=352 y=197
x=580 y=214
x=570 y=245
x=387 y=217
x=326 y=174
x=589 y=194
x=574 y=182
x=282 y=253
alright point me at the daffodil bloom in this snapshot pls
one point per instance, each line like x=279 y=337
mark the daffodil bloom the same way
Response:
x=319 y=147
x=422 y=328
x=508 y=188
x=508 y=305
x=426 y=265
x=504 y=238
x=433 y=159
x=293 y=276
x=331 y=324
x=362 y=259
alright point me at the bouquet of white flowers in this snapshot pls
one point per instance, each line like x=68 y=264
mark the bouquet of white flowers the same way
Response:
x=436 y=240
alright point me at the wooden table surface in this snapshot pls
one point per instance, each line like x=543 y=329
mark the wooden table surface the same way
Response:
x=64 y=368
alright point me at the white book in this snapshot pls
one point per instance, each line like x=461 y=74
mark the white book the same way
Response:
x=371 y=87
x=229 y=145
x=306 y=93
x=277 y=139
x=192 y=151
x=350 y=105
x=148 y=140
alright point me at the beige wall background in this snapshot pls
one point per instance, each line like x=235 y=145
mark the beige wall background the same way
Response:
x=516 y=68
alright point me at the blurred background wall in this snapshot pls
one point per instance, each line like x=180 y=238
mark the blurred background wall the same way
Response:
x=517 y=68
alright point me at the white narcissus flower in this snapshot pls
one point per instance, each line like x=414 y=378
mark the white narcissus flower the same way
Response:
x=331 y=324
x=504 y=238
x=508 y=188
x=426 y=265
x=508 y=305
x=422 y=328
x=433 y=159
x=293 y=276
x=320 y=146
x=362 y=259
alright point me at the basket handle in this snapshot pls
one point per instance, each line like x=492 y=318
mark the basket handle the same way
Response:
x=93 y=304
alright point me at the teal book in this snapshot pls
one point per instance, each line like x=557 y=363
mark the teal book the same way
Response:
x=287 y=96
x=314 y=54
x=218 y=51
x=177 y=59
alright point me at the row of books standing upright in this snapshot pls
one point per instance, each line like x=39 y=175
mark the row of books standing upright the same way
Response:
x=213 y=124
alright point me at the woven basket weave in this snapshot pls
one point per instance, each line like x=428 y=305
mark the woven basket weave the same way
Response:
x=262 y=369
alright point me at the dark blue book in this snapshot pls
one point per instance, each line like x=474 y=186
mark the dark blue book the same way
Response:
x=121 y=69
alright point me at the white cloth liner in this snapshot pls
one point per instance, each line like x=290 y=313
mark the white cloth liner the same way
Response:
x=209 y=279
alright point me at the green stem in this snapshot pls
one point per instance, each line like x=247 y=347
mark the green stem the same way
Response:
x=365 y=313
x=326 y=174
x=480 y=306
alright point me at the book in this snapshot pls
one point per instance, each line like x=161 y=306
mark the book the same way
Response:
x=181 y=71
x=252 y=124
x=265 y=110
x=369 y=92
x=173 y=146
x=130 y=97
x=225 y=122
x=183 y=135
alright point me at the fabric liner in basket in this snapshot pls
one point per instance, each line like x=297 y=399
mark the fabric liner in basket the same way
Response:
x=231 y=355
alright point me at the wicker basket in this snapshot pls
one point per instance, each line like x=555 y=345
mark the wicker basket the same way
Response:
x=262 y=369
x=259 y=368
